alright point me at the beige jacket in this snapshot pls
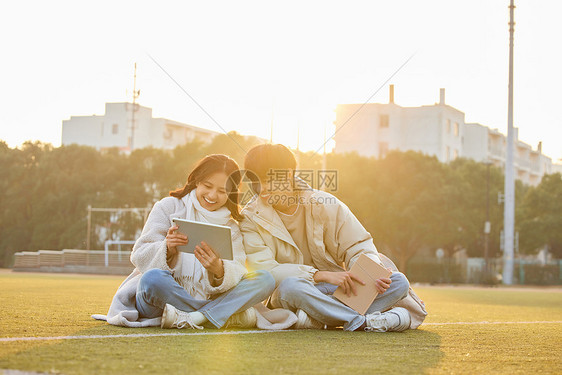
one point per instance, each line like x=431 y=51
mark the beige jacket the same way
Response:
x=335 y=238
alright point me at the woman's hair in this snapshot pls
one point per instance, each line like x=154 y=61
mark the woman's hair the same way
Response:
x=209 y=165
x=265 y=157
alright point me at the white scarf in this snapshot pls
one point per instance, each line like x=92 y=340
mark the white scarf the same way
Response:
x=191 y=270
x=196 y=212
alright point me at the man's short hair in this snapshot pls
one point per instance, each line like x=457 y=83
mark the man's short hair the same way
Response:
x=266 y=157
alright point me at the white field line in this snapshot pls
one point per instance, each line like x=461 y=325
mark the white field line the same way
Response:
x=484 y=322
x=138 y=335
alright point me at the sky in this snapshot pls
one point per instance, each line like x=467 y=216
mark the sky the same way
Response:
x=253 y=63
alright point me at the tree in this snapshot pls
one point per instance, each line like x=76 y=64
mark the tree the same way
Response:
x=407 y=203
x=540 y=219
x=469 y=194
x=19 y=177
x=233 y=145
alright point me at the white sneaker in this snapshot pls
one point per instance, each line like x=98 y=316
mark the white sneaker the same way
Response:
x=396 y=319
x=174 y=318
x=306 y=322
x=243 y=319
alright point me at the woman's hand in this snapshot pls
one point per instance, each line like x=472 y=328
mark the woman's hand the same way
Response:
x=343 y=279
x=209 y=260
x=173 y=240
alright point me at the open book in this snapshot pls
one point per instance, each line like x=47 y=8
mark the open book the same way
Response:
x=367 y=270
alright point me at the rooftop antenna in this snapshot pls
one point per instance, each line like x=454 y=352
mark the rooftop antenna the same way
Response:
x=298 y=136
x=298 y=144
x=136 y=94
x=324 y=161
x=271 y=125
x=509 y=203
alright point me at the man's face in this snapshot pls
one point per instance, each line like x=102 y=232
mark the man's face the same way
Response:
x=276 y=188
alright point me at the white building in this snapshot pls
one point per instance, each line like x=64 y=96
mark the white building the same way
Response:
x=484 y=144
x=439 y=130
x=130 y=127
x=378 y=128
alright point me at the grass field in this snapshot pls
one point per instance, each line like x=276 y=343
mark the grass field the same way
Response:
x=523 y=335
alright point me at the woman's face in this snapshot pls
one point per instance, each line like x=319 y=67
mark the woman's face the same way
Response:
x=211 y=191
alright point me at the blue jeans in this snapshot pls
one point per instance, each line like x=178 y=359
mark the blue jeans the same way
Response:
x=157 y=287
x=317 y=301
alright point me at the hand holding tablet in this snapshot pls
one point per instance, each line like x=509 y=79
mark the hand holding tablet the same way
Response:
x=173 y=240
x=216 y=237
x=209 y=259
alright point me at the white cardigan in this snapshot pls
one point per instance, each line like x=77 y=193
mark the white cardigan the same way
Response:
x=150 y=252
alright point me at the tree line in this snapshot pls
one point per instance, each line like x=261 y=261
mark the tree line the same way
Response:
x=408 y=201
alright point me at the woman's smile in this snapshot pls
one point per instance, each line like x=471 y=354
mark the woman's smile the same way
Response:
x=209 y=201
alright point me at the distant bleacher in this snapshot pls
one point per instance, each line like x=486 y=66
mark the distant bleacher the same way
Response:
x=74 y=261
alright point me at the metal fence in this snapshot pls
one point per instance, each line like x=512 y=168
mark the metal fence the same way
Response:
x=71 y=258
x=473 y=271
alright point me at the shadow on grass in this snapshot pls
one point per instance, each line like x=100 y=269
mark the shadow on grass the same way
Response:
x=298 y=352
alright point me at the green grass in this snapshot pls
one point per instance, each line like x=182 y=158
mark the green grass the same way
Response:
x=56 y=305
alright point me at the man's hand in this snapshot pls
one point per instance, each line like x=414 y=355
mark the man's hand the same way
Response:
x=209 y=260
x=343 y=279
x=382 y=284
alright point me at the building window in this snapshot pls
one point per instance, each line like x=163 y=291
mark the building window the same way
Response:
x=448 y=126
x=168 y=133
x=456 y=129
x=115 y=129
x=448 y=154
x=383 y=149
x=455 y=154
x=383 y=121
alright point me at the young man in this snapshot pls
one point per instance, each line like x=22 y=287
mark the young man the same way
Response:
x=303 y=237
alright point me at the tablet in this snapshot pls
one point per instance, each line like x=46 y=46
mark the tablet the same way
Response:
x=216 y=236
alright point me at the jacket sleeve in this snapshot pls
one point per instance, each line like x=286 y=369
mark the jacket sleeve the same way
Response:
x=352 y=238
x=150 y=249
x=262 y=257
x=234 y=270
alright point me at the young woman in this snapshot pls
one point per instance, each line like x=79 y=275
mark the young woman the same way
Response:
x=182 y=290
